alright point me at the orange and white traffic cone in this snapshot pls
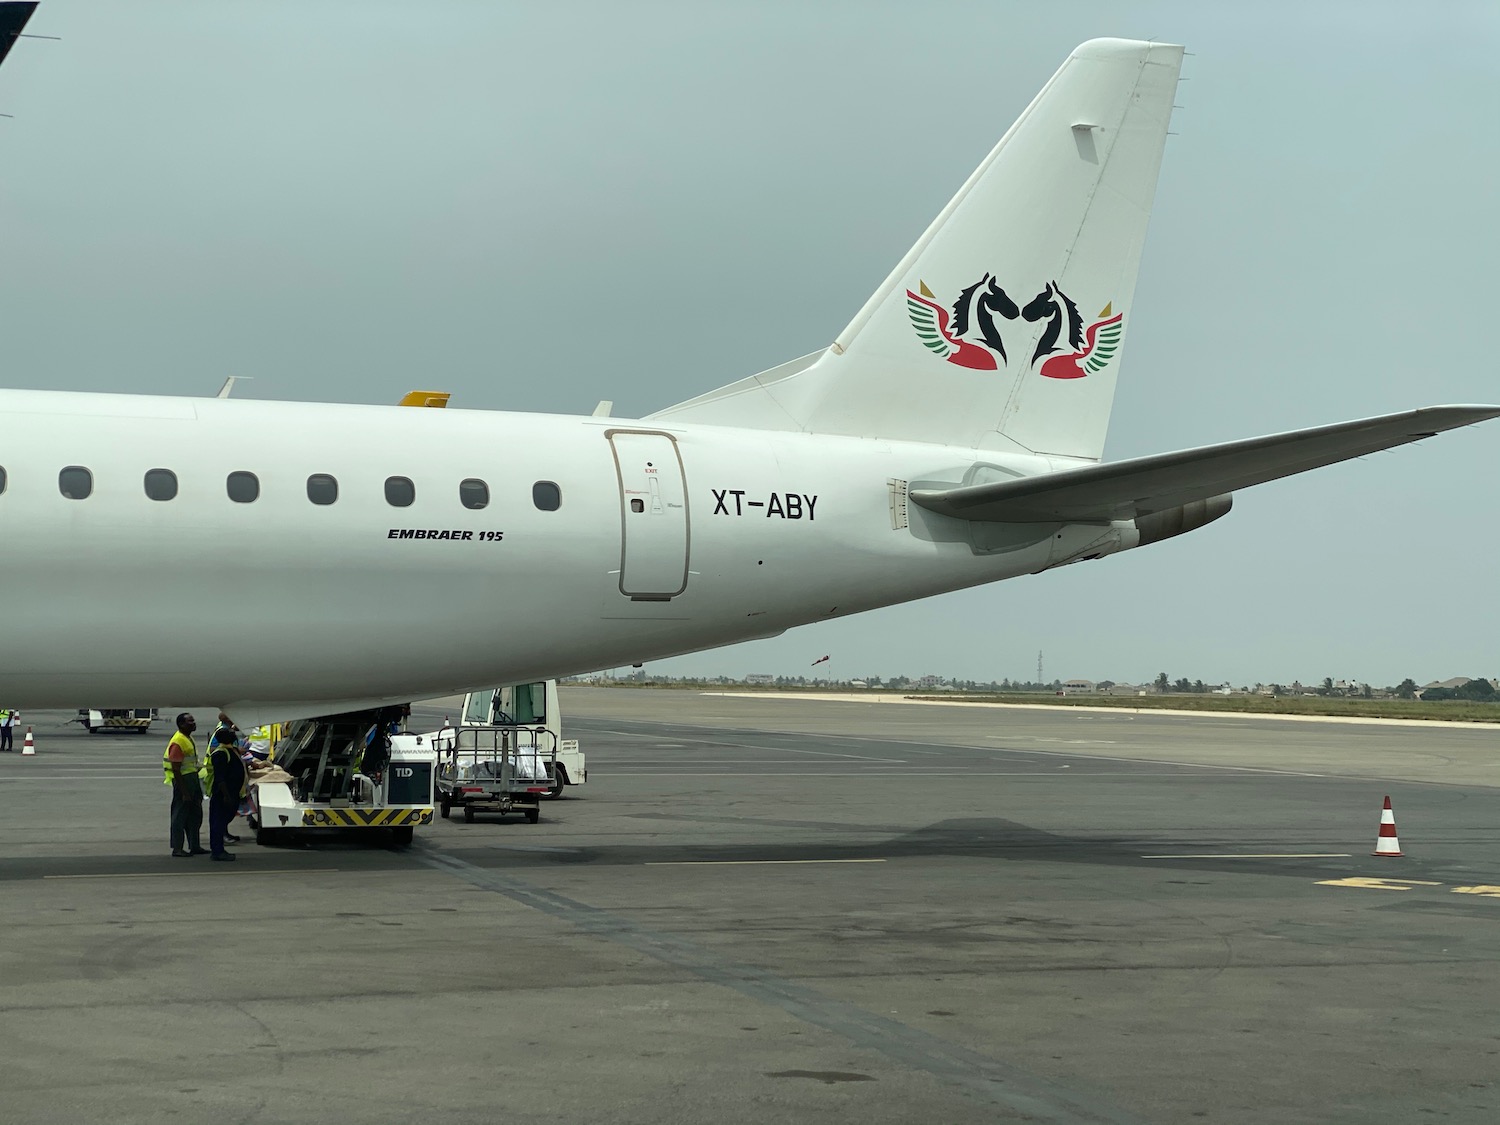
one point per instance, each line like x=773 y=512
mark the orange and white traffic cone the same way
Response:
x=29 y=746
x=1386 y=843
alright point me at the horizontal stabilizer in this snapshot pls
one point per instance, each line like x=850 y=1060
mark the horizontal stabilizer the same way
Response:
x=1126 y=489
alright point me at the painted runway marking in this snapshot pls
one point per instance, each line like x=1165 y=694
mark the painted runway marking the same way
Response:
x=941 y=747
x=190 y=874
x=752 y=746
x=1482 y=891
x=746 y=862
x=81 y=776
x=1370 y=884
x=1254 y=855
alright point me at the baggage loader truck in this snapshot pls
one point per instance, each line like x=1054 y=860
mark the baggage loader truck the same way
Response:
x=345 y=771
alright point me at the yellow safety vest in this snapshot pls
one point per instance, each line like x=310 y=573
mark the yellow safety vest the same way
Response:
x=189 y=756
x=208 y=768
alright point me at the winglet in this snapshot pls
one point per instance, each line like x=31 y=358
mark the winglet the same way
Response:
x=437 y=399
x=13 y=17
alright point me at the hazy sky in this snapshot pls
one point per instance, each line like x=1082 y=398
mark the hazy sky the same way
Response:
x=537 y=206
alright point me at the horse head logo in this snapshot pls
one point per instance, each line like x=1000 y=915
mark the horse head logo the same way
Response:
x=1062 y=317
x=973 y=314
x=971 y=336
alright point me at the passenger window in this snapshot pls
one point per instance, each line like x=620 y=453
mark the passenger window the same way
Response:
x=400 y=492
x=546 y=496
x=161 y=484
x=75 y=482
x=2 y=480
x=637 y=505
x=474 y=493
x=322 y=488
x=243 y=488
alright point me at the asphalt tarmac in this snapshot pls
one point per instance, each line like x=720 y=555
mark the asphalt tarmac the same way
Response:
x=783 y=910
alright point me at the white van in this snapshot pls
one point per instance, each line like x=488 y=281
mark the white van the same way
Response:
x=534 y=706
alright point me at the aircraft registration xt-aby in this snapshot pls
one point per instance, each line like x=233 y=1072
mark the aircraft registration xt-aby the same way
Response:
x=290 y=559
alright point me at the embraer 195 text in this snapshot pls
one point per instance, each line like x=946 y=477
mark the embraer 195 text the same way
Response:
x=949 y=436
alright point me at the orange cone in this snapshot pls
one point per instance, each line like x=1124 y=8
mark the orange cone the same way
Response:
x=29 y=746
x=1386 y=843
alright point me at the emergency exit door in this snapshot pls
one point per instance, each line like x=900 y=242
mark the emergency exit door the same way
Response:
x=654 y=515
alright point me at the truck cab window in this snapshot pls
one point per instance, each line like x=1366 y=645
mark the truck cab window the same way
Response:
x=322 y=488
x=243 y=488
x=161 y=484
x=75 y=482
x=400 y=492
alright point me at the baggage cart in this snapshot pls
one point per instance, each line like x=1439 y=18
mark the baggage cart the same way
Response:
x=494 y=769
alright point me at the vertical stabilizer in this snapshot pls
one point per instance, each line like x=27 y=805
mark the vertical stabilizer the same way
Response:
x=1003 y=326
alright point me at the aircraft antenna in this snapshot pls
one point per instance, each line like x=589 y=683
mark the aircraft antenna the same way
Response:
x=1039 y=666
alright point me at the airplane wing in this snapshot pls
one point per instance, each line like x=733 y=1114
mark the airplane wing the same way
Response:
x=13 y=17
x=1142 y=485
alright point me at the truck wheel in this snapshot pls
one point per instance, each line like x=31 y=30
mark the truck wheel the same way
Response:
x=533 y=815
x=468 y=814
x=267 y=837
x=401 y=837
x=444 y=808
x=559 y=781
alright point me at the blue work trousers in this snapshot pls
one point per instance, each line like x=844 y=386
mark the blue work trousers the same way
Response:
x=220 y=813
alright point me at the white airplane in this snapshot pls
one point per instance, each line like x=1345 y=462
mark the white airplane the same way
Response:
x=284 y=559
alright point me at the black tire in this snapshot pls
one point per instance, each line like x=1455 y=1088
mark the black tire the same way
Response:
x=444 y=808
x=533 y=816
x=468 y=814
x=267 y=837
x=559 y=782
x=401 y=836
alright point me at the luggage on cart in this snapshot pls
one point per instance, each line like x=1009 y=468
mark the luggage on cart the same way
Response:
x=494 y=769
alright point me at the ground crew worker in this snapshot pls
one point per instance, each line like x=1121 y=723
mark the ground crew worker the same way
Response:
x=180 y=763
x=225 y=775
x=8 y=720
x=226 y=731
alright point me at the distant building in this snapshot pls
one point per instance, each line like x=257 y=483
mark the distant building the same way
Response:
x=760 y=678
x=1077 y=687
x=1452 y=685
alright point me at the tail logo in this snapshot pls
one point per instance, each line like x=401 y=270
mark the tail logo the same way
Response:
x=971 y=336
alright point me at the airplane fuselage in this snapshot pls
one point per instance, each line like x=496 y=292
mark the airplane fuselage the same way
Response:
x=284 y=601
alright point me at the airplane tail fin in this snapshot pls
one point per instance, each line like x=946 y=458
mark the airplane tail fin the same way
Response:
x=1002 y=327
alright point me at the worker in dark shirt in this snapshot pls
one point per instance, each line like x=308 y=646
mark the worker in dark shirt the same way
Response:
x=226 y=785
